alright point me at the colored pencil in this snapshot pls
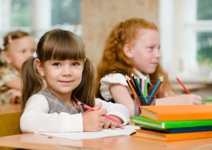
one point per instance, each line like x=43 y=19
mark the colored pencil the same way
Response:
x=92 y=109
x=181 y=83
x=152 y=94
x=161 y=81
x=145 y=87
x=133 y=90
x=140 y=94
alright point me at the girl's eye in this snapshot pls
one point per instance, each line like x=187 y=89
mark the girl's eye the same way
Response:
x=23 y=51
x=56 y=64
x=75 y=63
x=151 y=47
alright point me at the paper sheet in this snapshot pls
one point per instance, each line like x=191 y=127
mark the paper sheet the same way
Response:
x=129 y=129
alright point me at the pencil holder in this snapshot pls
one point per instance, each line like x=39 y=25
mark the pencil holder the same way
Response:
x=150 y=100
x=137 y=109
x=141 y=101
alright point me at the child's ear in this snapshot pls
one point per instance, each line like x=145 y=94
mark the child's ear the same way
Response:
x=128 y=50
x=39 y=67
x=6 y=57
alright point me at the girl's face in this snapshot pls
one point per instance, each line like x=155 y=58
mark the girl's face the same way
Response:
x=145 y=51
x=62 y=76
x=19 y=50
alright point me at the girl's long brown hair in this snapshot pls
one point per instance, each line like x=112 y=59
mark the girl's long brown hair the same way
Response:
x=114 y=59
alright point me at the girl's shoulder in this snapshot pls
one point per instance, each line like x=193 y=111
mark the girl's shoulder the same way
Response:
x=38 y=96
x=114 y=78
x=107 y=81
x=37 y=100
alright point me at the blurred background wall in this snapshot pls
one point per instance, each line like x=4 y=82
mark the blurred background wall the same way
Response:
x=100 y=16
x=185 y=28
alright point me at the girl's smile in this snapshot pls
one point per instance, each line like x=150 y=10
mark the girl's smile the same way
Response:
x=63 y=82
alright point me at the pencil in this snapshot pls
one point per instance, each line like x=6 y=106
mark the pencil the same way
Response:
x=145 y=87
x=140 y=81
x=142 y=98
x=155 y=89
x=161 y=81
x=132 y=81
x=133 y=90
x=91 y=109
x=181 y=83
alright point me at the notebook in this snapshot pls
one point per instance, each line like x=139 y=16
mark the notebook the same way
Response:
x=179 y=130
x=143 y=121
x=171 y=136
x=177 y=112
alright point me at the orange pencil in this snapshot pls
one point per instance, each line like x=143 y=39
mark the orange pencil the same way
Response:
x=133 y=90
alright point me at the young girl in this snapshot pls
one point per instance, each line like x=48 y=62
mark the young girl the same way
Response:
x=60 y=60
x=133 y=46
x=17 y=47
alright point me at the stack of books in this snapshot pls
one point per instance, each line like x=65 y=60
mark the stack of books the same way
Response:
x=172 y=123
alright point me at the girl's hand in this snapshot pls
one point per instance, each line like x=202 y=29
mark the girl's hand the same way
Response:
x=111 y=124
x=14 y=95
x=189 y=99
x=94 y=120
x=182 y=99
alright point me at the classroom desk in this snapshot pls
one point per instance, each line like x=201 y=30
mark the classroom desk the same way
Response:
x=9 y=119
x=43 y=142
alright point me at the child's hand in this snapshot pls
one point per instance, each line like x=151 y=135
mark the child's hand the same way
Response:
x=111 y=124
x=189 y=99
x=94 y=120
x=182 y=99
x=14 y=95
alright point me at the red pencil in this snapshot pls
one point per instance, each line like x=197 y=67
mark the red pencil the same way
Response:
x=187 y=91
x=91 y=109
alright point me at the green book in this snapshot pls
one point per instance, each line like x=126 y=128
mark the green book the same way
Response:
x=208 y=100
x=140 y=120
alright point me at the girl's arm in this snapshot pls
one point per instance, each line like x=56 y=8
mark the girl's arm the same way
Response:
x=14 y=84
x=121 y=95
x=36 y=118
x=114 y=86
x=115 y=109
x=182 y=99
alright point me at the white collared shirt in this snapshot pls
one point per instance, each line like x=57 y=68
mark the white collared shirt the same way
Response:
x=116 y=78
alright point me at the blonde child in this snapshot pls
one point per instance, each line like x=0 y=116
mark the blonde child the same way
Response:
x=60 y=60
x=133 y=46
x=17 y=47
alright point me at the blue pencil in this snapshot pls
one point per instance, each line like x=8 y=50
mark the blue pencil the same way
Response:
x=152 y=94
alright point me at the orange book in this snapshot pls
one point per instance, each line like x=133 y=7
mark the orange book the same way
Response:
x=177 y=112
x=171 y=136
